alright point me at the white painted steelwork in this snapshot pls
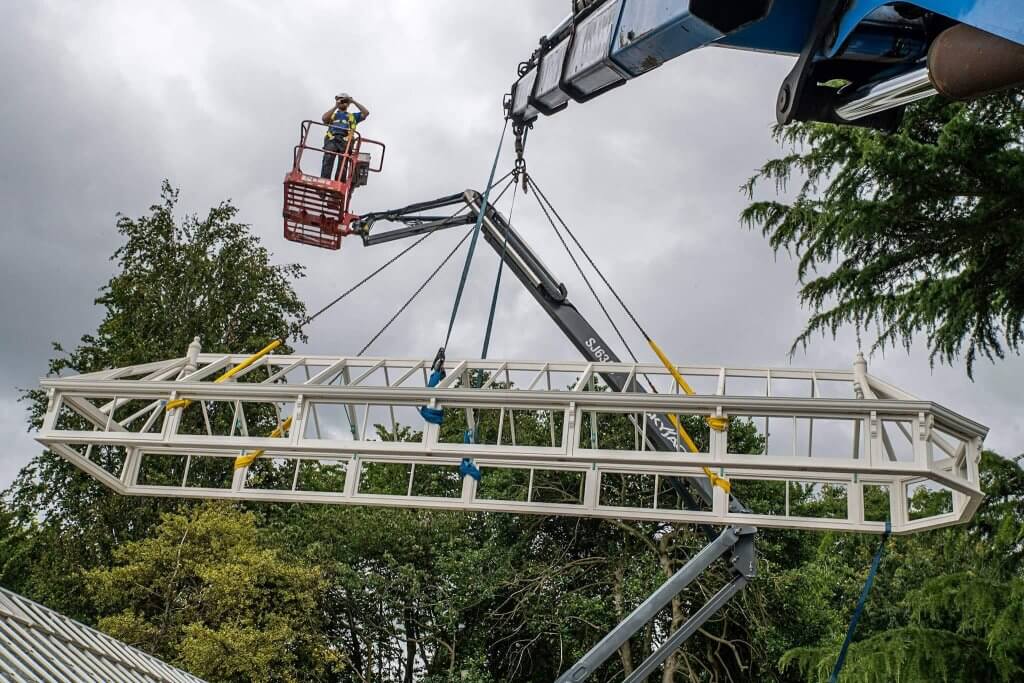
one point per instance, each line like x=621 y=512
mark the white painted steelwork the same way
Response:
x=833 y=438
x=38 y=644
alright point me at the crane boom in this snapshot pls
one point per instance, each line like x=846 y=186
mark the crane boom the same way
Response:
x=858 y=62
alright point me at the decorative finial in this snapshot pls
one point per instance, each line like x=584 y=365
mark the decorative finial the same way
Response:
x=192 y=357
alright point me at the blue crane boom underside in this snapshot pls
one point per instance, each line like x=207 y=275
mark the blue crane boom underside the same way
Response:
x=787 y=26
x=1004 y=18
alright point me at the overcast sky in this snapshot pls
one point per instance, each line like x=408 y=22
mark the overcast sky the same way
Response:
x=100 y=101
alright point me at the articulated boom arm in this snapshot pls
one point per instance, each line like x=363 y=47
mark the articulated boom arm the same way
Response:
x=858 y=61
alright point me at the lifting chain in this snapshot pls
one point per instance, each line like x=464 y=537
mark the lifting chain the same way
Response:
x=519 y=173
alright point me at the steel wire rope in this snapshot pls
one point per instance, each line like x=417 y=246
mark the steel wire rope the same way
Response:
x=369 y=277
x=501 y=267
x=416 y=293
x=712 y=477
x=298 y=327
x=572 y=235
x=430 y=277
x=541 y=196
x=579 y=268
x=542 y=200
x=372 y=275
x=583 y=275
x=247 y=458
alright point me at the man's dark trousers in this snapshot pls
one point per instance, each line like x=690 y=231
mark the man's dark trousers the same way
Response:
x=336 y=144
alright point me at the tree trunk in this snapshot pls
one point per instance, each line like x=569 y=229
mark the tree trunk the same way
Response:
x=410 y=646
x=618 y=600
x=357 y=650
x=668 y=674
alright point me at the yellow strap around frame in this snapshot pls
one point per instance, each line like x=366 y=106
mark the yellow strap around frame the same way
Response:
x=249 y=458
x=184 y=402
x=719 y=424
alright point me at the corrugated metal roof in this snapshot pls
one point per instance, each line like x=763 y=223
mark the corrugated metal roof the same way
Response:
x=38 y=644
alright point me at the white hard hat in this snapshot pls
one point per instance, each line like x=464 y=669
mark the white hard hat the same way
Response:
x=343 y=96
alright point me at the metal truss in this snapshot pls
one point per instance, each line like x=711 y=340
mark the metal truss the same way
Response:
x=841 y=450
x=736 y=545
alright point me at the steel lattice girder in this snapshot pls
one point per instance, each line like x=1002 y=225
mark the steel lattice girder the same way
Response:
x=874 y=440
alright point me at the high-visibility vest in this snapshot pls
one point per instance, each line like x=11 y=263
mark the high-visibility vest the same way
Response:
x=342 y=126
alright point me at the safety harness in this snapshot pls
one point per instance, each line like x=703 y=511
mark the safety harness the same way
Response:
x=351 y=120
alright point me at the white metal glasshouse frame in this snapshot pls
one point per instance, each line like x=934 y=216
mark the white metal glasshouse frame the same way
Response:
x=835 y=431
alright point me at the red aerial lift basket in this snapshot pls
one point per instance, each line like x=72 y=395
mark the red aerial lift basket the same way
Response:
x=316 y=210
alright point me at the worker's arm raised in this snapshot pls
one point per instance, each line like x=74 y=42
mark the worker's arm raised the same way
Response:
x=362 y=110
x=329 y=114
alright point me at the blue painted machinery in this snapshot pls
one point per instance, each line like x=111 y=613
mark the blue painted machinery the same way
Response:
x=859 y=62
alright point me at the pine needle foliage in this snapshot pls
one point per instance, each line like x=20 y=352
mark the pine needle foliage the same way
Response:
x=921 y=231
x=963 y=621
x=905 y=655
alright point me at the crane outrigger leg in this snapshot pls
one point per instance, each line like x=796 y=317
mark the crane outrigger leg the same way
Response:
x=736 y=544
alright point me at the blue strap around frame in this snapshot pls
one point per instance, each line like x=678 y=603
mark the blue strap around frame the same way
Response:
x=433 y=415
x=467 y=468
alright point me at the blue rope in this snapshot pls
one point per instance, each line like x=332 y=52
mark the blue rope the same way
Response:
x=476 y=234
x=834 y=678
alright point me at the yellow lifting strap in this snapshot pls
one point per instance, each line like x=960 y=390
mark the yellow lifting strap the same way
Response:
x=249 y=458
x=184 y=402
x=719 y=424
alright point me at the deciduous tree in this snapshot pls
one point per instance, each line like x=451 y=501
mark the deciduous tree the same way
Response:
x=178 y=277
x=205 y=591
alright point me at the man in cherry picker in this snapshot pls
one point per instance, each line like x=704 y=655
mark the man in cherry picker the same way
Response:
x=340 y=123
